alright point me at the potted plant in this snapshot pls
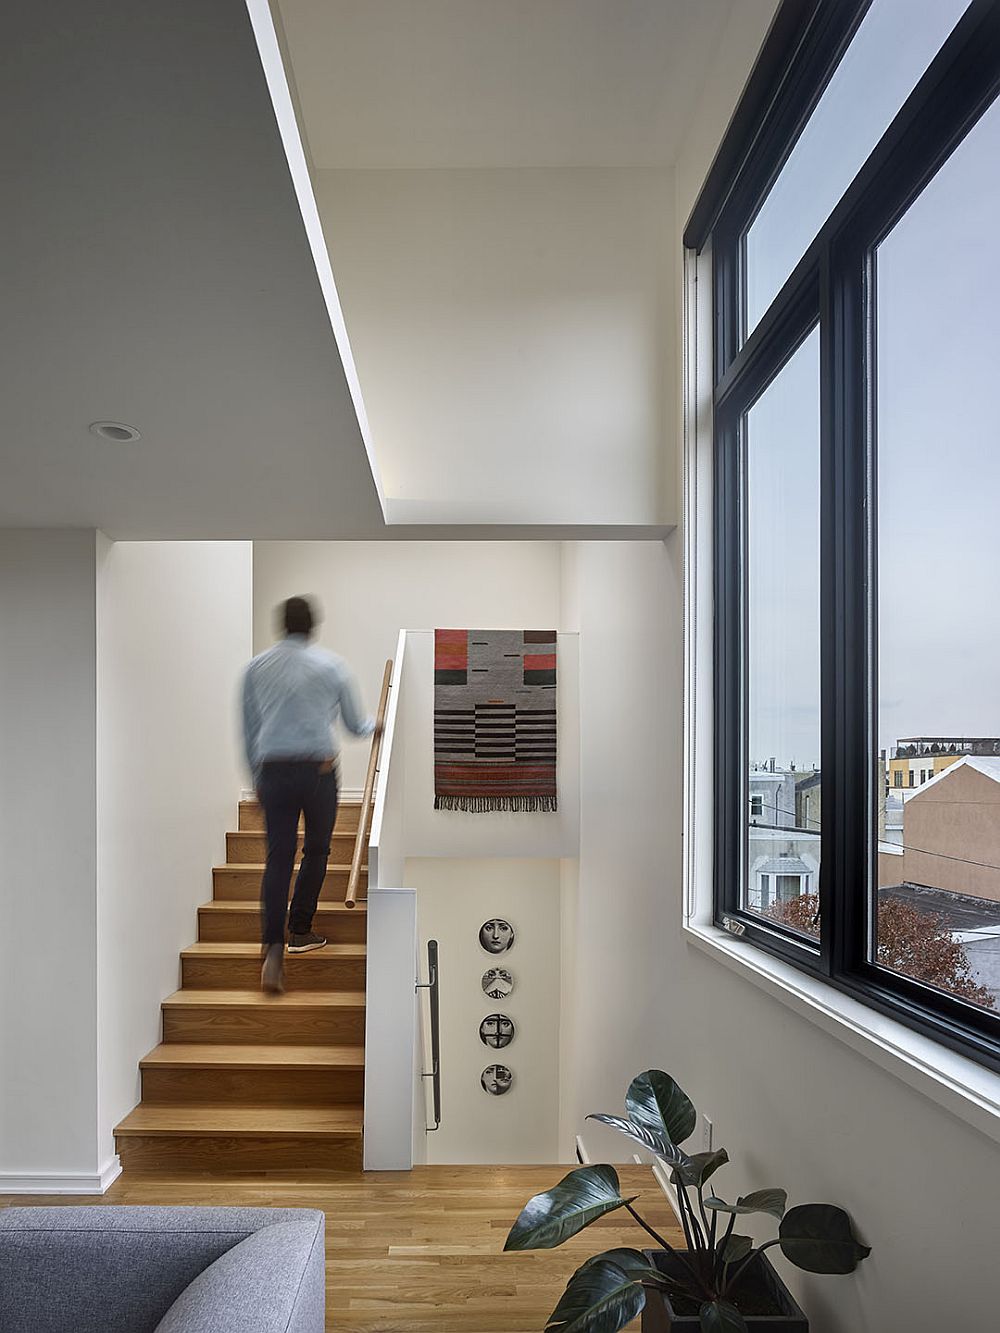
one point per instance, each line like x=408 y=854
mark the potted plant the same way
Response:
x=721 y=1282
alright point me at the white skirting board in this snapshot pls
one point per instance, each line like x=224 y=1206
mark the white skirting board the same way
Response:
x=53 y=1183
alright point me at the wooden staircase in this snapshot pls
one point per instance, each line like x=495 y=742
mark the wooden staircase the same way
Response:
x=244 y=1081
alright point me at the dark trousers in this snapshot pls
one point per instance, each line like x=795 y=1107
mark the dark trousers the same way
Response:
x=287 y=789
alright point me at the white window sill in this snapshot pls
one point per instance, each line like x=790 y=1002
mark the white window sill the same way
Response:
x=961 y=1086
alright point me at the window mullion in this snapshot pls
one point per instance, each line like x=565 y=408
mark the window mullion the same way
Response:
x=847 y=854
x=729 y=674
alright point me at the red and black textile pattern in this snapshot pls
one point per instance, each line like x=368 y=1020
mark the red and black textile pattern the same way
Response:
x=495 y=720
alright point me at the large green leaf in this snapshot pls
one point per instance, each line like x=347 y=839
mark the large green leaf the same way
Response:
x=579 y=1199
x=654 y=1099
x=699 y=1166
x=734 y=1248
x=760 y=1201
x=819 y=1238
x=600 y=1298
x=646 y=1137
x=633 y=1264
x=721 y=1317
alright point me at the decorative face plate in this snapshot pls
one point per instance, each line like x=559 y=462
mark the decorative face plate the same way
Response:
x=497 y=1030
x=496 y=1080
x=497 y=983
x=496 y=935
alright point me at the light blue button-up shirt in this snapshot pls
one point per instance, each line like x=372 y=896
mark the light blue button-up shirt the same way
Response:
x=292 y=696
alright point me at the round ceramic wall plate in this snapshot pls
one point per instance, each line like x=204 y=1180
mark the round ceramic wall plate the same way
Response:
x=496 y=935
x=496 y=1080
x=497 y=1031
x=497 y=983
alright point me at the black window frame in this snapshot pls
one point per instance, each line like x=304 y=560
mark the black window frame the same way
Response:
x=832 y=288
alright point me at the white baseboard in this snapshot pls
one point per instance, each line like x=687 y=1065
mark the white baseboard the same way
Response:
x=46 y=1182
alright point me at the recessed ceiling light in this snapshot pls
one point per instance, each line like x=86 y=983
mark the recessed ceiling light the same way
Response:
x=115 y=430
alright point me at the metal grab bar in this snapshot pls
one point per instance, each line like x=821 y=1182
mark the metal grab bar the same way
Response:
x=432 y=986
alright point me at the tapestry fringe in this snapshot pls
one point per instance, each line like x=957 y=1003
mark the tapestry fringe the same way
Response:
x=483 y=804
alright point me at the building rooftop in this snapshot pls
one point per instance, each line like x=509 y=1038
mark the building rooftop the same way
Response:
x=907 y=747
x=958 y=911
x=784 y=865
x=988 y=765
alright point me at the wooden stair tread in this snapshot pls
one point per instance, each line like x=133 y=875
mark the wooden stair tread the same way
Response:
x=236 y=949
x=198 y=1055
x=249 y=905
x=243 y=1121
x=255 y=999
x=247 y=866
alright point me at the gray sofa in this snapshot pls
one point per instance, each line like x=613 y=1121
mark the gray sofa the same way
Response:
x=113 y=1269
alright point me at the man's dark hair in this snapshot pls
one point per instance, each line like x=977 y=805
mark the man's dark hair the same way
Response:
x=297 y=616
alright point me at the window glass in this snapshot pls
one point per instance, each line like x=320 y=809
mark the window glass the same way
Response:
x=891 y=50
x=782 y=612
x=937 y=899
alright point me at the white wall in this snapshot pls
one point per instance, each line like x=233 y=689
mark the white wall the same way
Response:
x=48 y=849
x=369 y=591
x=174 y=634
x=393 y=1087
x=514 y=336
x=743 y=35
x=569 y=1027
x=630 y=703
x=454 y=898
x=794 y=1106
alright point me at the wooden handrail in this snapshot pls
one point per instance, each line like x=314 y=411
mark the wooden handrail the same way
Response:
x=364 y=819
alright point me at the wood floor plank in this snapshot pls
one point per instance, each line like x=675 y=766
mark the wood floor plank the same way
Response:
x=420 y=1251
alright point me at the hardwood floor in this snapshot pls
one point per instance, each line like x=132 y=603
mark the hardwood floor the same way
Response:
x=419 y=1251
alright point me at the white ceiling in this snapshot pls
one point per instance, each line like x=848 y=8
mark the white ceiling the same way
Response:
x=155 y=270
x=153 y=260
x=499 y=83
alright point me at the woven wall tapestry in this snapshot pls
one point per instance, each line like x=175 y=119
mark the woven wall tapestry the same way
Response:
x=494 y=719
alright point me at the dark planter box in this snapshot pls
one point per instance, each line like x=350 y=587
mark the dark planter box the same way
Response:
x=659 y=1317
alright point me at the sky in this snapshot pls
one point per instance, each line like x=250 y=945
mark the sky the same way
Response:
x=938 y=350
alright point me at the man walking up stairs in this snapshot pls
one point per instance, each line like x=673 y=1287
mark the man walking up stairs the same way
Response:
x=293 y=696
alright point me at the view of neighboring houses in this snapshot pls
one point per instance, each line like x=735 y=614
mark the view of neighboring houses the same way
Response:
x=784 y=836
x=947 y=860
x=938 y=828
x=951 y=832
x=917 y=759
